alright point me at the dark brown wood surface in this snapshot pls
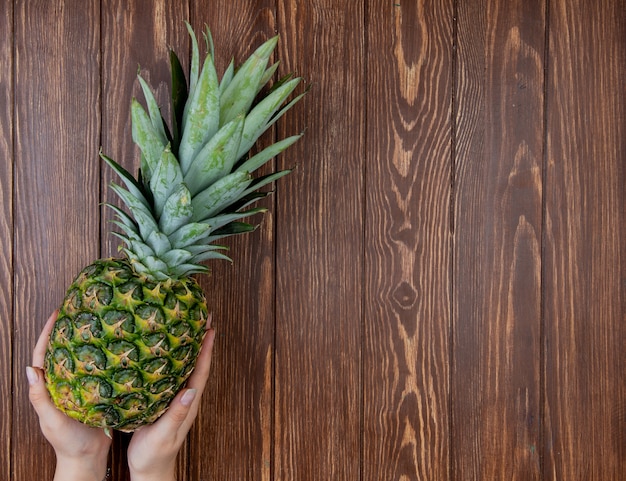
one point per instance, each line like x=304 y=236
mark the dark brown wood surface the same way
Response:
x=232 y=438
x=585 y=243
x=57 y=107
x=408 y=154
x=496 y=308
x=6 y=242
x=319 y=247
x=438 y=291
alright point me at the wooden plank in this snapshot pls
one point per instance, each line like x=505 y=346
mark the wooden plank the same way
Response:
x=57 y=122
x=407 y=256
x=496 y=376
x=6 y=239
x=319 y=225
x=135 y=33
x=237 y=408
x=585 y=252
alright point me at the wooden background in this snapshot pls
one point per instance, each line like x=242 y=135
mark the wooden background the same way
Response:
x=439 y=291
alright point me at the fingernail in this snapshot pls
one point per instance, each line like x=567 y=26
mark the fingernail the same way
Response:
x=209 y=320
x=32 y=376
x=188 y=397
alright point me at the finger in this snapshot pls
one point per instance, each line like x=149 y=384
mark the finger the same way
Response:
x=38 y=394
x=184 y=407
x=40 y=348
x=197 y=381
x=199 y=377
x=171 y=427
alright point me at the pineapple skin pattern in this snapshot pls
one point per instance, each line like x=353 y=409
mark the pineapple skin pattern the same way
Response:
x=130 y=329
x=123 y=346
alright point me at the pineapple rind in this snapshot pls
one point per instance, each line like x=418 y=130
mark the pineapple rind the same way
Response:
x=113 y=324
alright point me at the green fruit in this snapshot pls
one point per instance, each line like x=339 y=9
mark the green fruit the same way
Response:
x=130 y=329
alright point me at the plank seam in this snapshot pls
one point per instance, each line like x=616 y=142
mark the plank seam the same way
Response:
x=364 y=283
x=451 y=277
x=101 y=192
x=274 y=200
x=13 y=254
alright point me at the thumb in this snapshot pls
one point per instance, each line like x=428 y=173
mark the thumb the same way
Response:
x=37 y=392
x=179 y=409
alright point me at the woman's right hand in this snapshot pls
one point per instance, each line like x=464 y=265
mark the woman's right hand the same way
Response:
x=153 y=448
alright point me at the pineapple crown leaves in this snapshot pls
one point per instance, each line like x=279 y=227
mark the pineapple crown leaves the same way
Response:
x=195 y=183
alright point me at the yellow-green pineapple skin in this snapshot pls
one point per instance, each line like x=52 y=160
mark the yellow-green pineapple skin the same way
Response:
x=123 y=345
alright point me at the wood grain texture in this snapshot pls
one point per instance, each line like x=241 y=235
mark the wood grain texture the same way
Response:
x=319 y=225
x=136 y=34
x=437 y=292
x=6 y=238
x=232 y=438
x=497 y=241
x=585 y=310
x=407 y=235
x=57 y=126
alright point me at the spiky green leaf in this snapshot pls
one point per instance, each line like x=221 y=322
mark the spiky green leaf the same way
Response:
x=146 y=138
x=159 y=243
x=177 y=210
x=219 y=195
x=221 y=220
x=141 y=249
x=242 y=90
x=263 y=181
x=140 y=212
x=202 y=115
x=154 y=111
x=234 y=228
x=267 y=76
x=201 y=249
x=157 y=268
x=189 y=234
x=260 y=159
x=210 y=255
x=194 y=69
x=176 y=257
x=217 y=157
x=165 y=179
x=208 y=39
x=227 y=77
x=133 y=186
x=258 y=120
x=186 y=270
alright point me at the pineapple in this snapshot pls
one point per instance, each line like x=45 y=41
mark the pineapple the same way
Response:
x=130 y=328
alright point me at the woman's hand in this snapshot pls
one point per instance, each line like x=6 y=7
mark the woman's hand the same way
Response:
x=153 y=449
x=81 y=451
